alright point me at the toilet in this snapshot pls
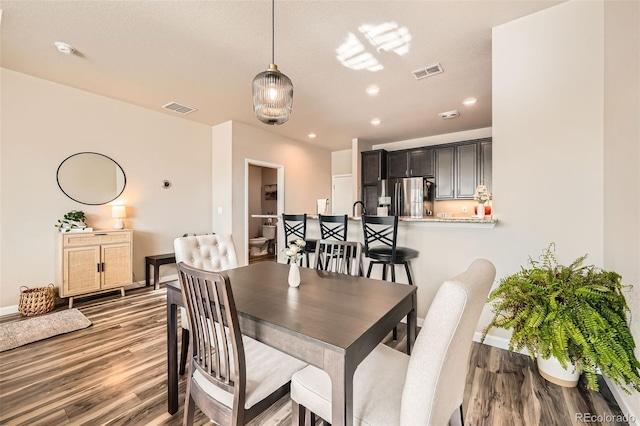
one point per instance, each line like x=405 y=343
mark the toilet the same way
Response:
x=258 y=246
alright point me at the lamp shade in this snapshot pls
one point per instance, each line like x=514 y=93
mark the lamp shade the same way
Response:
x=272 y=96
x=118 y=212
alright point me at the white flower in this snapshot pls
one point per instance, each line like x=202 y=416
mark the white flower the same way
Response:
x=482 y=194
x=301 y=243
x=294 y=251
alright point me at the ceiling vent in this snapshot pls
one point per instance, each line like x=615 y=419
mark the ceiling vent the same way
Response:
x=180 y=109
x=449 y=114
x=427 y=71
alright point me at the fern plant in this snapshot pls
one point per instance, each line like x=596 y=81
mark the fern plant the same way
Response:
x=575 y=313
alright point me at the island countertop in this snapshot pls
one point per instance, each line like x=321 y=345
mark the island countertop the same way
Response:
x=452 y=221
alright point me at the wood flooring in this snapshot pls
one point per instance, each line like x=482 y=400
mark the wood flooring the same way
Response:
x=114 y=373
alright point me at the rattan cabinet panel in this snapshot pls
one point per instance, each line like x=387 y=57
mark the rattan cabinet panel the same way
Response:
x=94 y=262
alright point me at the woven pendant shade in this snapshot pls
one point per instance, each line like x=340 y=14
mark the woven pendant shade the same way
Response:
x=272 y=96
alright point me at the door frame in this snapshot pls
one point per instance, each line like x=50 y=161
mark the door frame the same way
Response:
x=279 y=203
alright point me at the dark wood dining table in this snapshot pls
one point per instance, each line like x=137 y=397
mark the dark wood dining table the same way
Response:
x=332 y=321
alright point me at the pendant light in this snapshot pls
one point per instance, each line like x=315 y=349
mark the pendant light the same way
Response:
x=272 y=90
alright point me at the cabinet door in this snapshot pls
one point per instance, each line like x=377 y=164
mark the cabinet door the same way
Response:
x=81 y=273
x=485 y=165
x=374 y=166
x=421 y=163
x=444 y=173
x=370 y=198
x=397 y=164
x=466 y=170
x=116 y=270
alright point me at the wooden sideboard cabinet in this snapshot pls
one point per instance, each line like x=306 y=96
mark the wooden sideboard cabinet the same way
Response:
x=94 y=262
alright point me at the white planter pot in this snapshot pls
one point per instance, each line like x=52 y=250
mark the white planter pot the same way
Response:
x=551 y=370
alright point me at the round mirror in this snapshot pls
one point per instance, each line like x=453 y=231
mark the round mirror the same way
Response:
x=91 y=178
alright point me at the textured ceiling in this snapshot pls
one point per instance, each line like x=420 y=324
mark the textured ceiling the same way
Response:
x=204 y=54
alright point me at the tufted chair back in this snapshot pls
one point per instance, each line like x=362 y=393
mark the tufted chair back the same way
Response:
x=214 y=253
x=209 y=252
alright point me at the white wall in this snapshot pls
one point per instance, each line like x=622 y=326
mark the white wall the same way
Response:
x=466 y=135
x=622 y=156
x=307 y=176
x=42 y=124
x=341 y=162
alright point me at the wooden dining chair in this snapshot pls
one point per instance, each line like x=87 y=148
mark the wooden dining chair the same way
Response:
x=391 y=388
x=343 y=257
x=211 y=252
x=232 y=378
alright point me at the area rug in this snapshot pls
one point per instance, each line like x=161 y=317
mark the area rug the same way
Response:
x=18 y=333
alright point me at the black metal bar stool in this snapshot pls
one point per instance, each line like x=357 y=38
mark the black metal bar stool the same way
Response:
x=295 y=228
x=383 y=231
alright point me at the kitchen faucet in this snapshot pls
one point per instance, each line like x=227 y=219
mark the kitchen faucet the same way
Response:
x=364 y=209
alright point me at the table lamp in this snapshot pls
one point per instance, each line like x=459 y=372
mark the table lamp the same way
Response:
x=117 y=213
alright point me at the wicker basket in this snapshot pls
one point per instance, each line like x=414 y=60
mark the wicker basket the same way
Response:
x=36 y=301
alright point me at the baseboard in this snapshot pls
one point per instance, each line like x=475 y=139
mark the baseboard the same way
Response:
x=621 y=398
x=7 y=310
x=496 y=342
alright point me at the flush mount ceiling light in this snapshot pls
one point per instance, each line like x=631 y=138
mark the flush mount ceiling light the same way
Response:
x=272 y=90
x=312 y=135
x=372 y=90
x=65 y=48
x=375 y=121
x=470 y=101
x=449 y=114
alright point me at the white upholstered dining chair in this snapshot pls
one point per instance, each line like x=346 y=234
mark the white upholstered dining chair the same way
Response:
x=391 y=388
x=211 y=252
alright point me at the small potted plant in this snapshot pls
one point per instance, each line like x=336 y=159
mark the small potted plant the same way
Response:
x=575 y=314
x=75 y=219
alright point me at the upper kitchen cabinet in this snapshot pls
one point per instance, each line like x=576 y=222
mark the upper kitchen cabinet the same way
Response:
x=374 y=166
x=410 y=163
x=445 y=174
x=460 y=167
x=421 y=162
x=485 y=164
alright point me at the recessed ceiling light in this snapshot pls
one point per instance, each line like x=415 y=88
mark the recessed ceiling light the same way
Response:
x=65 y=48
x=470 y=101
x=372 y=90
x=449 y=114
x=375 y=121
x=312 y=135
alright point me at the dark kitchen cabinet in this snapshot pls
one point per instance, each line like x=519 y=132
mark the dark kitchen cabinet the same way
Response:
x=466 y=167
x=370 y=198
x=445 y=183
x=460 y=167
x=486 y=170
x=398 y=164
x=410 y=163
x=373 y=166
x=421 y=162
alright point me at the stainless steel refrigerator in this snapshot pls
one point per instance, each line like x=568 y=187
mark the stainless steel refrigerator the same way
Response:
x=410 y=196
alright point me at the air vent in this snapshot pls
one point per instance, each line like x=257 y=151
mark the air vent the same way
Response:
x=449 y=114
x=427 y=71
x=180 y=109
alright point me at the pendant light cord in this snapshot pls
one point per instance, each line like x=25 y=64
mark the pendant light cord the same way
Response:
x=273 y=31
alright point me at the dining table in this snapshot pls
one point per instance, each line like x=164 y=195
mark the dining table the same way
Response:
x=332 y=321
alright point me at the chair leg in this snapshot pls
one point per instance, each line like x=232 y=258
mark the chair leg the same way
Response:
x=298 y=414
x=393 y=272
x=369 y=271
x=395 y=334
x=384 y=272
x=457 y=418
x=406 y=268
x=189 y=406
x=184 y=351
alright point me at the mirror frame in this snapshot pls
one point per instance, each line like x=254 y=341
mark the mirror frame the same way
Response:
x=124 y=176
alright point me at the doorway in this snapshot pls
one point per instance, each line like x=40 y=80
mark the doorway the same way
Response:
x=264 y=204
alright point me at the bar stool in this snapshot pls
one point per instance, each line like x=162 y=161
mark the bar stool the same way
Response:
x=384 y=230
x=295 y=228
x=333 y=227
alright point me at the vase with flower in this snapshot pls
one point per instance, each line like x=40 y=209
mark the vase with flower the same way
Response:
x=482 y=195
x=294 y=254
